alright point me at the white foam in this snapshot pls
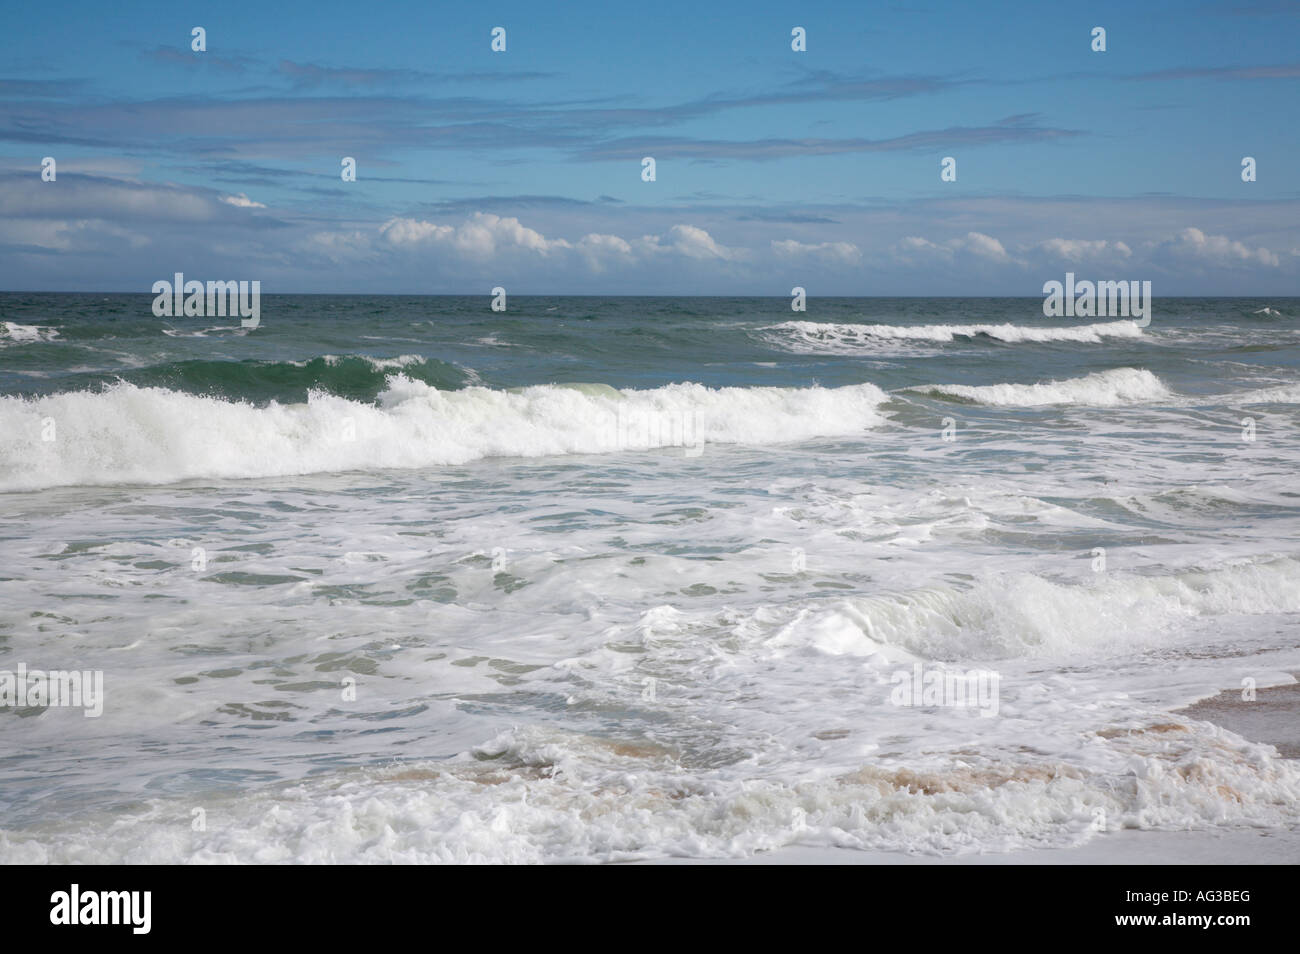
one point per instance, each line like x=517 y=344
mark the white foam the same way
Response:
x=13 y=333
x=828 y=338
x=204 y=332
x=1112 y=388
x=1282 y=394
x=536 y=796
x=379 y=364
x=1026 y=615
x=130 y=434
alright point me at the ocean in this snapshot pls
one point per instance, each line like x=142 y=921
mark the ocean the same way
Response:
x=404 y=579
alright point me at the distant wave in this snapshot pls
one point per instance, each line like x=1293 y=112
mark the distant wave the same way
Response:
x=217 y=330
x=1112 y=388
x=126 y=434
x=812 y=337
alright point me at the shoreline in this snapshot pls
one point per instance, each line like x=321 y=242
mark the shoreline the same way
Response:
x=1273 y=718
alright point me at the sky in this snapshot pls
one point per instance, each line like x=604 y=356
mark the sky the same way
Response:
x=523 y=168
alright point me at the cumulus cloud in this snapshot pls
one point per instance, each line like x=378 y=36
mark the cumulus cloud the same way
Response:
x=690 y=241
x=482 y=236
x=484 y=233
x=913 y=247
x=1085 y=250
x=1217 y=250
x=600 y=252
x=917 y=250
x=830 y=253
x=83 y=230
x=1188 y=247
x=485 y=238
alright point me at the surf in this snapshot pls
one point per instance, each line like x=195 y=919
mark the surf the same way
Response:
x=129 y=434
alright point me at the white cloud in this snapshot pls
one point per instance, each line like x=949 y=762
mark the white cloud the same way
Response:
x=831 y=253
x=985 y=246
x=92 y=224
x=1085 y=250
x=601 y=251
x=690 y=241
x=914 y=246
x=413 y=231
x=1193 y=244
x=480 y=237
x=917 y=250
x=485 y=237
x=241 y=201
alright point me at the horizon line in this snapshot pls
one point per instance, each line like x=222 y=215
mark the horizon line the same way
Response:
x=151 y=294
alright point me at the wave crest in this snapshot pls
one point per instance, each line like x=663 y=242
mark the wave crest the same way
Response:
x=126 y=434
x=1113 y=388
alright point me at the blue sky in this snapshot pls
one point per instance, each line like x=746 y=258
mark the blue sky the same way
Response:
x=774 y=168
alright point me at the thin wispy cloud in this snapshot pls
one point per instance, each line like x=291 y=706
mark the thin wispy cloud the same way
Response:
x=171 y=56
x=765 y=149
x=312 y=76
x=1278 y=71
x=37 y=89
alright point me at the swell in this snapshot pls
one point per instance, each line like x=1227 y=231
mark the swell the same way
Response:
x=357 y=377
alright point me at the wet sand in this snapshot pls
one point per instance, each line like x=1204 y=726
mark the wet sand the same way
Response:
x=1273 y=717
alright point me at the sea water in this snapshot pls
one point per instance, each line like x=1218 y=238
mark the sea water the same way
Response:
x=401 y=579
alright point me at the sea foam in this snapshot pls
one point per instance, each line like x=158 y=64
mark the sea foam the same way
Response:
x=829 y=338
x=13 y=333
